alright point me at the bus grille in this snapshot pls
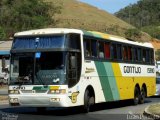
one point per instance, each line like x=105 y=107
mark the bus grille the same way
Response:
x=33 y=91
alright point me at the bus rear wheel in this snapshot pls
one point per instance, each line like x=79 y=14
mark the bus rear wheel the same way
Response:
x=136 y=96
x=142 y=96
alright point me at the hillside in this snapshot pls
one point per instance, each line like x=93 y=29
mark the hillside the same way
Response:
x=145 y=15
x=75 y=14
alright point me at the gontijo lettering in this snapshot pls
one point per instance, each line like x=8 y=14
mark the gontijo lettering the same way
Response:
x=132 y=69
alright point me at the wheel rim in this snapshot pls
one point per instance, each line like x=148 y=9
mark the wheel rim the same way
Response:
x=143 y=94
x=136 y=96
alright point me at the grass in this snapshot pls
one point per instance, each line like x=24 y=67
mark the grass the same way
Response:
x=76 y=14
x=154 y=109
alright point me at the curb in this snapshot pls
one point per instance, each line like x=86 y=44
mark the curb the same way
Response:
x=148 y=114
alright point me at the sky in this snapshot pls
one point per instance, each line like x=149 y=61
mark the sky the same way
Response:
x=110 y=6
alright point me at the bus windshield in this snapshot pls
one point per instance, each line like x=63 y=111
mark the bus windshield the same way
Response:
x=44 y=68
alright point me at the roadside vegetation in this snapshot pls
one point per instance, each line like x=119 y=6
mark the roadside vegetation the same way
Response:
x=145 y=15
x=19 y=15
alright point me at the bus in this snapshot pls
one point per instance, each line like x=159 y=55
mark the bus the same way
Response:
x=62 y=67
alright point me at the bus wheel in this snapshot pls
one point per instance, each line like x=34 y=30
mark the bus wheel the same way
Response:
x=87 y=101
x=142 y=96
x=136 y=96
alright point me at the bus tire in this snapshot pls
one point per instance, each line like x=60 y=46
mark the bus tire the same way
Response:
x=136 y=96
x=87 y=101
x=142 y=96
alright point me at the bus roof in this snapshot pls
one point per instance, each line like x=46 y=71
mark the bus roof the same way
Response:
x=50 y=31
x=47 y=31
x=116 y=38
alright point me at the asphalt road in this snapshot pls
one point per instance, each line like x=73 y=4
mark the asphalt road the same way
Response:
x=122 y=110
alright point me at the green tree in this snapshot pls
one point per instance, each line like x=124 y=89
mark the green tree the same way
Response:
x=132 y=33
x=2 y=33
x=21 y=15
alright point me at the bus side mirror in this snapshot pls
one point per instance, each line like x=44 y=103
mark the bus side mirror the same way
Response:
x=73 y=61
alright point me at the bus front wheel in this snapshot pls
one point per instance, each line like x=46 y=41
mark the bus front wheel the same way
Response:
x=88 y=101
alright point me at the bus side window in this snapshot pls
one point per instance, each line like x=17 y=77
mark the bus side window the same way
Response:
x=134 y=54
x=130 y=53
x=144 y=55
x=119 y=52
x=93 y=48
x=125 y=55
x=114 y=51
x=107 y=50
x=139 y=53
x=101 y=49
x=151 y=57
x=74 y=41
x=87 y=47
x=147 y=56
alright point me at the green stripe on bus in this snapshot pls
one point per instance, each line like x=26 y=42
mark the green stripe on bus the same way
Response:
x=104 y=81
x=112 y=80
x=88 y=33
x=40 y=88
x=97 y=35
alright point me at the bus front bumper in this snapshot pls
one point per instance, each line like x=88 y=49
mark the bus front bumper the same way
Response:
x=39 y=100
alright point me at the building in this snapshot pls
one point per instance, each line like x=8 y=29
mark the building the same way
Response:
x=5 y=47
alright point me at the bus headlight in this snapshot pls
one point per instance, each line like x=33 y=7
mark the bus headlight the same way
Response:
x=59 y=91
x=14 y=100
x=55 y=100
x=13 y=91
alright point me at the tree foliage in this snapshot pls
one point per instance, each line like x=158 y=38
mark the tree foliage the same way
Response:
x=132 y=34
x=18 y=15
x=143 y=13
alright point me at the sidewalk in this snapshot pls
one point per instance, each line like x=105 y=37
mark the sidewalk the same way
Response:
x=153 y=111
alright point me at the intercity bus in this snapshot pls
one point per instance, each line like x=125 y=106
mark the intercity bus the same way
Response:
x=60 y=67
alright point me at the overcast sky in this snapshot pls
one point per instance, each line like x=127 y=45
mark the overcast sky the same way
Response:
x=110 y=6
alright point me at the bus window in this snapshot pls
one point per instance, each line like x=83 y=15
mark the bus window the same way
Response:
x=147 y=56
x=113 y=51
x=74 y=41
x=125 y=55
x=87 y=47
x=119 y=52
x=130 y=53
x=144 y=55
x=134 y=54
x=107 y=50
x=151 y=57
x=101 y=49
x=74 y=68
x=93 y=48
x=139 y=54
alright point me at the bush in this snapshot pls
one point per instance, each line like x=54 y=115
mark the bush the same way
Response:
x=132 y=33
x=2 y=34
